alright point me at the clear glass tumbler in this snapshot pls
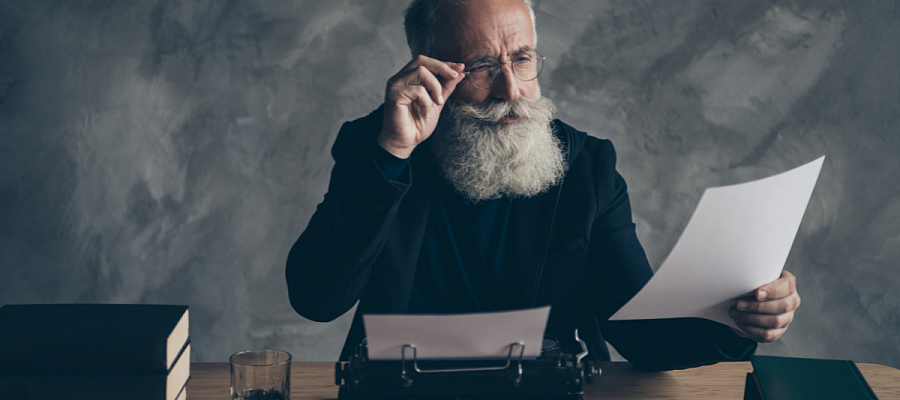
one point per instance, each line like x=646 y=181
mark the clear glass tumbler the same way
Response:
x=261 y=375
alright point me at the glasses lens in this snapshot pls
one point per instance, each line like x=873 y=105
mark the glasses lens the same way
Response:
x=528 y=65
x=483 y=73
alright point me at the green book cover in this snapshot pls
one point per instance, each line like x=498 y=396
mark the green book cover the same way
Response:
x=107 y=385
x=91 y=337
x=786 y=378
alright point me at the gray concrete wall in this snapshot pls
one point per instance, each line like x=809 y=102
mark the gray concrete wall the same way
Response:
x=171 y=151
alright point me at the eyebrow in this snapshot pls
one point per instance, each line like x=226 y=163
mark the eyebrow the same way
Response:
x=482 y=57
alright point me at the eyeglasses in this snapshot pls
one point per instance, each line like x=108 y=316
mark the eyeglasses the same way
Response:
x=485 y=72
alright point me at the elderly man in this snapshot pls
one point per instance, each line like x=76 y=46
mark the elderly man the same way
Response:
x=463 y=194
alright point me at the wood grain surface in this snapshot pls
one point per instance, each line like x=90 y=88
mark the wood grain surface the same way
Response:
x=315 y=380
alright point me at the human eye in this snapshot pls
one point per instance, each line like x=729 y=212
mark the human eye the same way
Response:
x=524 y=58
x=479 y=68
x=483 y=65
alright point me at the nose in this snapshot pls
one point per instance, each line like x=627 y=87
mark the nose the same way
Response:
x=507 y=86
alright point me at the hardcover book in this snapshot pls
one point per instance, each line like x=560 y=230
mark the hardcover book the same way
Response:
x=785 y=378
x=148 y=385
x=59 y=338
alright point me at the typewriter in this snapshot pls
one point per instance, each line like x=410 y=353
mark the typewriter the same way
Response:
x=554 y=375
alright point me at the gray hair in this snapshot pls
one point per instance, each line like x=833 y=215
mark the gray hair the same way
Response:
x=483 y=159
x=420 y=20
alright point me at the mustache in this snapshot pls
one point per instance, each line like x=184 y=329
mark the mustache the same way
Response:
x=492 y=111
x=483 y=159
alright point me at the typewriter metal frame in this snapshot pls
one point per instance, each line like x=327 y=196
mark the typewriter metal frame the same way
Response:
x=552 y=376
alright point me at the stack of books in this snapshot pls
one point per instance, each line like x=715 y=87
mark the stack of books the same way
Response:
x=94 y=351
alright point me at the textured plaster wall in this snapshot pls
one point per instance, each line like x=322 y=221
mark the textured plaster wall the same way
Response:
x=171 y=151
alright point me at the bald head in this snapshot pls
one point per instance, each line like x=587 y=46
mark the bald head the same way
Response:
x=482 y=28
x=421 y=18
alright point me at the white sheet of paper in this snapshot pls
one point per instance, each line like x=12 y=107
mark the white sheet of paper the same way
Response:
x=737 y=240
x=456 y=336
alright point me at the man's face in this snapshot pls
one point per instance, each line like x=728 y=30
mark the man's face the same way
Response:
x=491 y=28
x=498 y=141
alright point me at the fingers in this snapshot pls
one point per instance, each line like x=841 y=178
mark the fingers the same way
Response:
x=779 y=306
x=761 y=327
x=777 y=297
x=421 y=98
x=408 y=87
x=438 y=77
x=445 y=69
x=760 y=334
x=431 y=84
x=766 y=315
x=780 y=288
x=768 y=321
x=450 y=85
x=413 y=100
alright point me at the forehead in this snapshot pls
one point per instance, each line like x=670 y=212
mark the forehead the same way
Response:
x=473 y=29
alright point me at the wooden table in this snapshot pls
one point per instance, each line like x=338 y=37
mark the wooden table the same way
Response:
x=315 y=380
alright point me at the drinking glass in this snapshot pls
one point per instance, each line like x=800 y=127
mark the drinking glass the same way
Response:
x=261 y=375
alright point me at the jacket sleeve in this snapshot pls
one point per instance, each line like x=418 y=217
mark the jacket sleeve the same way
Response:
x=329 y=265
x=623 y=270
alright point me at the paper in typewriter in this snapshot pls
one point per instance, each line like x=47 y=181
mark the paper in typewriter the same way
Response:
x=456 y=336
x=737 y=240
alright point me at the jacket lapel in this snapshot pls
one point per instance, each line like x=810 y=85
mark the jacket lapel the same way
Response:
x=531 y=225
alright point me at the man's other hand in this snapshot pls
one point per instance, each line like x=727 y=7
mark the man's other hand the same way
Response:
x=765 y=315
x=413 y=102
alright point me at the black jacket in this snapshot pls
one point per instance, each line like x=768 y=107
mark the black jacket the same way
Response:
x=575 y=243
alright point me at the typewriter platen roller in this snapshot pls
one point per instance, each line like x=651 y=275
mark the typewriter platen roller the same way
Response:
x=554 y=375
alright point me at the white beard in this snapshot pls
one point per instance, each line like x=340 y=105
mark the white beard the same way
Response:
x=484 y=159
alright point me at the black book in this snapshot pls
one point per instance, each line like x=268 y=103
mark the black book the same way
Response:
x=115 y=338
x=107 y=385
x=786 y=378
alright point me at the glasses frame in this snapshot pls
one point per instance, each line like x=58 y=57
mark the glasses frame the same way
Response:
x=511 y=67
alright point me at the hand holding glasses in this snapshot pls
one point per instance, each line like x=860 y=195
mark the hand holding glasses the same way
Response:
x=415 y=96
